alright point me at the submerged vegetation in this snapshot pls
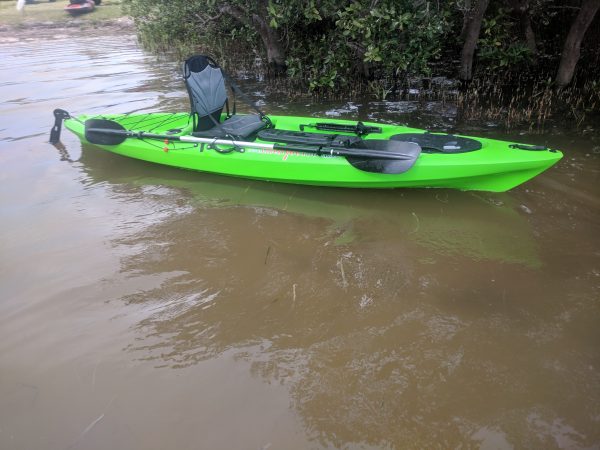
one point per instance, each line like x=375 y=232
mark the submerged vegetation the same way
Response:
x=522 y=60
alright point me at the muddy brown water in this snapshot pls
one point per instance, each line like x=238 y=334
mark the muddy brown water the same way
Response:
x=144 y=307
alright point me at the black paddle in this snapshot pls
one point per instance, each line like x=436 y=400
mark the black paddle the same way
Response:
x=380 y=156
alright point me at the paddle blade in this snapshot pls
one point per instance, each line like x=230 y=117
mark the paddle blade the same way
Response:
x=409 y=150
x=104 y=132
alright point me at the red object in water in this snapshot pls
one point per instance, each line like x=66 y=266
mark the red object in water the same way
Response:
x=80 y=6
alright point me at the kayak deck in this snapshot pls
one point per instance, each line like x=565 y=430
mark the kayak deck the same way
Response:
x=494 y=167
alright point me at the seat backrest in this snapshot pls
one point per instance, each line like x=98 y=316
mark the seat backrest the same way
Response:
x=206 y=87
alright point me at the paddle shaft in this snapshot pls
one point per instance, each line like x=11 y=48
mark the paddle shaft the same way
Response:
x=319 y=150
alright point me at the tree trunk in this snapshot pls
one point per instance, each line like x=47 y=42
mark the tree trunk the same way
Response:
x=271 y=41
x=466 y=15
x=521 y=9
x=471 y=34
x=572 y=47
x=269 y=36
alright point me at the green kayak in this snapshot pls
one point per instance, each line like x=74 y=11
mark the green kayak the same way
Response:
x=495 y=166
x=302 y=150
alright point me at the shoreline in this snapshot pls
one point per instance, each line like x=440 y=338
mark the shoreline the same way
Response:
x=19 y=31
x=41 y=18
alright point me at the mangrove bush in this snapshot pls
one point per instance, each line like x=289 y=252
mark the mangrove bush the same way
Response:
x=513 y=51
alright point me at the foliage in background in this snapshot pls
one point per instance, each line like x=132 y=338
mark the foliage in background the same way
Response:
x=326 y=43
x=331 y=44
x=500 y=45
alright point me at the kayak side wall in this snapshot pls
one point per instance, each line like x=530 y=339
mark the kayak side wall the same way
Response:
x=494 y=168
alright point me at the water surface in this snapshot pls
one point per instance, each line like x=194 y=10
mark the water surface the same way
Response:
x=145 y=307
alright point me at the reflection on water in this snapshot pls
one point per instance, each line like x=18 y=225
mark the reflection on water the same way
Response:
x=157 y=308
x=473 y=224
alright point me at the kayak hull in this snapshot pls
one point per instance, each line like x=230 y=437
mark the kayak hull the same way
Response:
x=495 y=167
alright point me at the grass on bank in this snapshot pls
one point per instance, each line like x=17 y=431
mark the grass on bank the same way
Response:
x=43 y=11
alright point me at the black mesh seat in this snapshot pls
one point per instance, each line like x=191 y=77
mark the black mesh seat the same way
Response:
x=238 y=126
x=205 y=82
